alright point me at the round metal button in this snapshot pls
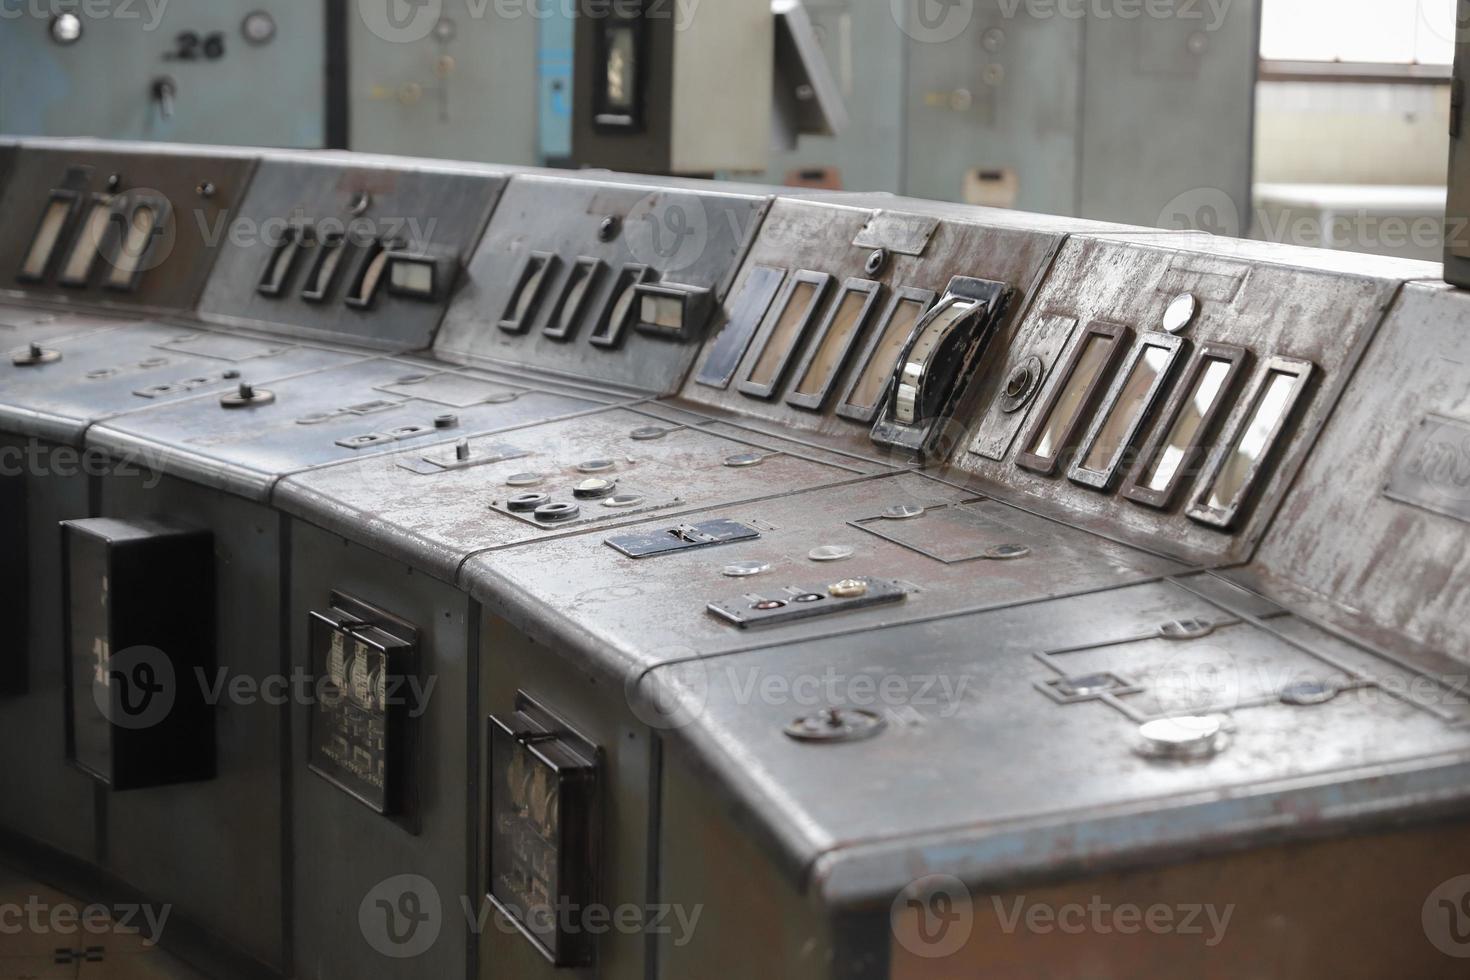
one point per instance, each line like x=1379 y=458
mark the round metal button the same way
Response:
x=745 y=569
x=623 y=500
x=1306 y=693
x=551 y=513
x=648 y=433
x=849 y=588
x=766 y=605
x=247 y=394
x=1182 y=737
x=1180 y=313
x=523 y=479
x=594 y=488
x=745 y=459
x=836 y=725
x=830 y=552
x=35 y=354
x=522 y=502
x=446 y=421
x=595 y=465
x=1007 y=552
x=1186 y=629
x=809 y=597
x=902 y=512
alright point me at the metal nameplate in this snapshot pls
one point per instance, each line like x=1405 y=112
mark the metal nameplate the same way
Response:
x=685 y=537
x=906 y=234
x=1433 y=469
x=791 y=603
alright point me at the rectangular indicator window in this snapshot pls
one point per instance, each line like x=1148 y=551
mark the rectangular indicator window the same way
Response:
x=413 y=277
x=84 y=250
x=1238 y=463
x=581 y=282
x=531 y=282
x=369 y=278
x=48 y=233
x=880 y=359
x=612 y=323
x=282 y=263
x=835 y=339
x=1175 y=448
x=324 y=269
x=1125 y=410
x=783 y=333
x=747 y=312
x=1071 y=397
x=132 y=249
x=674 y=311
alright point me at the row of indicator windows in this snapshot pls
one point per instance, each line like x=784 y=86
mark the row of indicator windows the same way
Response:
x=562 y=301
x=383 y=262
x=121 y=228
x=1096 y=413
x=780 y=331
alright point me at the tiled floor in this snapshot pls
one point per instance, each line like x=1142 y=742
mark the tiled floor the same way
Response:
x=68 y=950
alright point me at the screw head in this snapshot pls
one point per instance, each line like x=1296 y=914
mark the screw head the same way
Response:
x=608 y=229
x=877 y=259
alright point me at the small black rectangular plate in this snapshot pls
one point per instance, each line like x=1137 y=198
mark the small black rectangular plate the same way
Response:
x=685 y=537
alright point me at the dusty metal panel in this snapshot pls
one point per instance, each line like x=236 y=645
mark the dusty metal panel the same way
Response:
x=1374 y=535
x=158 y=840
x=203 y=189
x=968 y=714
x=438 y=517
x=345 y=853
x=441 y=211
x=44 y=798
x=686 y=236
x=634 y=614
x=110 y=372
x=1271 y=301
x=333 y=415
x=801 y=236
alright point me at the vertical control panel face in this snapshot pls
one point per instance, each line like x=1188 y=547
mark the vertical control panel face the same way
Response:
x=140 y=630
x=359 y=738
x=543 y=829
x=116 y=228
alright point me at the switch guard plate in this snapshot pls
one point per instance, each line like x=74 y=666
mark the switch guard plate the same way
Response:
x=685 y=537
x=740 y=612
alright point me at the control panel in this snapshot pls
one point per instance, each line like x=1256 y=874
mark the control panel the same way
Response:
x=106 y=228
x=366 y=254
x=614 y=282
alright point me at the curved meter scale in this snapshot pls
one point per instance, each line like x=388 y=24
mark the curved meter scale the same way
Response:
x=937 y=362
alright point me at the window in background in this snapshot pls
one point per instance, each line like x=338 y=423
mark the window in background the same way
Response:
x=1359 y=31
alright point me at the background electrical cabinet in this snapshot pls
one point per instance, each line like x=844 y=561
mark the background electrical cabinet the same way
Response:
x=245 y=73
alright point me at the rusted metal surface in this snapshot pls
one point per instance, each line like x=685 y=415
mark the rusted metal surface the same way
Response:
x=1391 y=564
